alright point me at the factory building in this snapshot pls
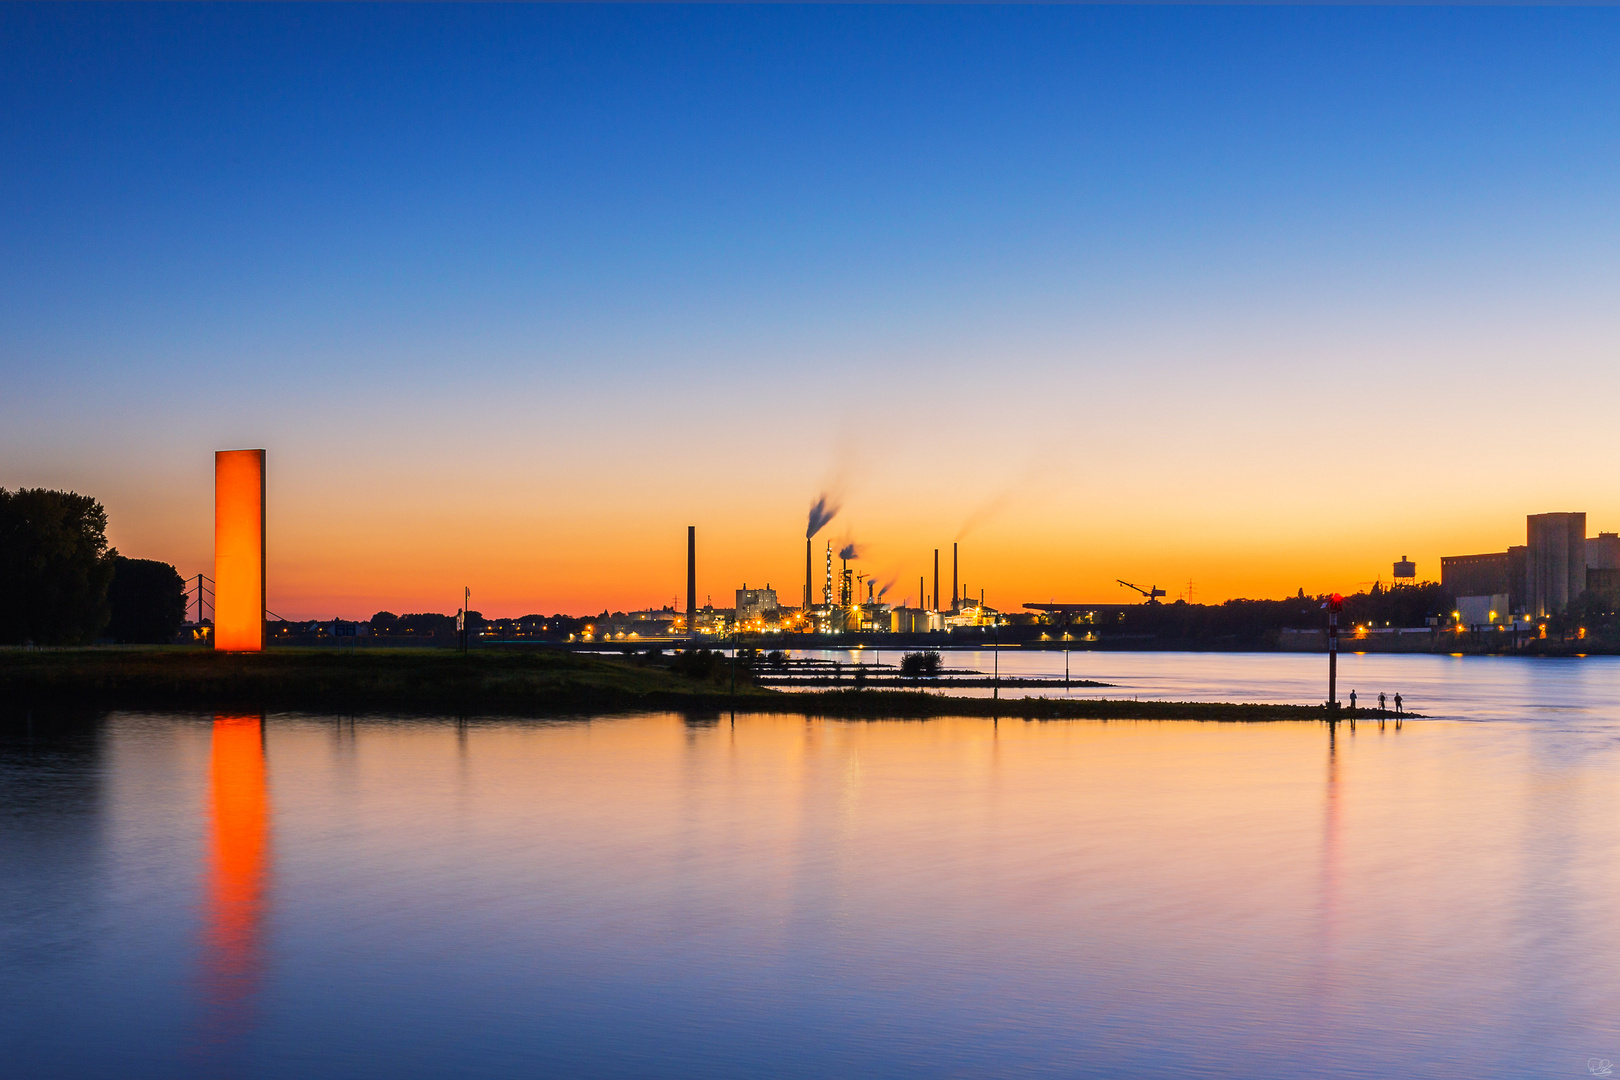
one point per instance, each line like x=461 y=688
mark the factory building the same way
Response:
x=909 y=620
x=1555 y=562
x=1490 y=574
x=1603 y=564
x=756 y=605
x=1555 y=565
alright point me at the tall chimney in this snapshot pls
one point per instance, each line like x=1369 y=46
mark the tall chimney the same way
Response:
x=691 y=581
x=954 y=591
x=922 y=594
x=936 y=579
x=807 y=604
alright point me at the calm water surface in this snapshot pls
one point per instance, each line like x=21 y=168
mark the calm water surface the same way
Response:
x=202 y=896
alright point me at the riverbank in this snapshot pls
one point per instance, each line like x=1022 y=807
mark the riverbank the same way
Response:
x=437 y=681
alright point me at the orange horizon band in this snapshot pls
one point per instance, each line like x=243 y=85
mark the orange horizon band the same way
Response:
x=239 y=550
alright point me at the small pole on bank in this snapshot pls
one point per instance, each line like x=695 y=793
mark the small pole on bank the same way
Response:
x=996 y=630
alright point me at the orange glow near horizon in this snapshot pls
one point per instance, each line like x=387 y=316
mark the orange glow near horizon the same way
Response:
x=355 y=536
x=239 y=864
x=239 y=550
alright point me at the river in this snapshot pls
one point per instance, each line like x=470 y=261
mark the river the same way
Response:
x=680 y=896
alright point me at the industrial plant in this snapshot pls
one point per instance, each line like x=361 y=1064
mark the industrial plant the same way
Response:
x=840 y=597
x=1559 y=577
x=1542 y=577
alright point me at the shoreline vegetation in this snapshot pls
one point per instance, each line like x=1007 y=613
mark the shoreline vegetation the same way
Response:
x=439 y=682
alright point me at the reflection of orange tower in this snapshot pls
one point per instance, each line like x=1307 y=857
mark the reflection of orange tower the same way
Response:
x=239 y=865
x=239 y=550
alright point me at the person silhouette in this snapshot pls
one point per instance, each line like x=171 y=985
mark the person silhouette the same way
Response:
x=1352 y=701
x=1380 y=702
x=1397 y=704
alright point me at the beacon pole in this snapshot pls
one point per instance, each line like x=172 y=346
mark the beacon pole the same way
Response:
x=1335 y=605
x=466 y=621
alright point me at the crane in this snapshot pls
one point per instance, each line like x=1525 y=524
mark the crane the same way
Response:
x=1152 y=592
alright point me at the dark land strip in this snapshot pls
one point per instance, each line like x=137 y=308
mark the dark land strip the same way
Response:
x=441 y=682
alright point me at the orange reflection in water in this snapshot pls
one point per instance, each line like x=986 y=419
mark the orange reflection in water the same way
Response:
x=238 y=872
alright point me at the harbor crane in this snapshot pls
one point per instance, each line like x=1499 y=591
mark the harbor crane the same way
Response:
x=1152 y=592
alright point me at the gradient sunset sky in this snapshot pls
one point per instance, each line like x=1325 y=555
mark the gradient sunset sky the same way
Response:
x=1263 y=297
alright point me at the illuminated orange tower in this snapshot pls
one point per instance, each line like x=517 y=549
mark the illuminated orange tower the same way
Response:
x=239 y=550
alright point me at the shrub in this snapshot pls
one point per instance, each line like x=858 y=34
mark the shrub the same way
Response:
x=697 y=663
x=916 y=665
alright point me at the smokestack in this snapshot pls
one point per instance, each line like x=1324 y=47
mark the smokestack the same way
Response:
x=691 y=581
x=826 y=590
x=936 y=579
x=807 y=577
x=954 y=591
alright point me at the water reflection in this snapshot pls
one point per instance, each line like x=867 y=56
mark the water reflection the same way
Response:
x=803 y=897
x=51 y=838
x=239 y=866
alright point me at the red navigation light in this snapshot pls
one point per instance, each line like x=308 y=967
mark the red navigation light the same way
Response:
x=1337 y=602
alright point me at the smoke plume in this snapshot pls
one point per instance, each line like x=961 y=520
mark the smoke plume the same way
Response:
x=822 y=512
x=1039 y=476
x=849 y=551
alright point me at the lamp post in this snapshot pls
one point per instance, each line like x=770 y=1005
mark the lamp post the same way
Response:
x=995 y=655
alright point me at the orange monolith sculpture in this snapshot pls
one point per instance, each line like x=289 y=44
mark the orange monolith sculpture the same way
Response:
x=239 y=550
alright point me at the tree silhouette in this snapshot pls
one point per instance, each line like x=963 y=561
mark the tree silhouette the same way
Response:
x=55 y=567
x=148 y=602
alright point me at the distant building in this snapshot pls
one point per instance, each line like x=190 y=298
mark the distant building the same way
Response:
x=1555 y=562
x=619 y=626
x=1475 y=575
x=1405 y=570
x=756 y=605
x=1603 y=551
x=1541 y=578
x=908 y=620
x=1603 y=565
x=1478 y=611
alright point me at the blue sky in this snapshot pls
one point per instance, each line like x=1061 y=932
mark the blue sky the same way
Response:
x=516 y=254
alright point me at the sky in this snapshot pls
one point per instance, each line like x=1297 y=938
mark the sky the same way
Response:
x=1260 y=298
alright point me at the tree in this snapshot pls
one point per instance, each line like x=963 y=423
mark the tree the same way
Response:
x=148 y=602
x=916 y=665
x=55 y=567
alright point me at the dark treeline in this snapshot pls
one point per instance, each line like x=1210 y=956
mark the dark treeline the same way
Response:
x=427 y=626
x=1257 y=623
x=146 y=602
x=60 y=584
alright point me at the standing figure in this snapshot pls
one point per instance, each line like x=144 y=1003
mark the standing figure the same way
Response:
x=1352 y=701
x=1397 y=704
x=1380 y=704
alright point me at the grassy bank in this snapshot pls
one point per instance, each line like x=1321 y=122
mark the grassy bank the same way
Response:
x=438 y=681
